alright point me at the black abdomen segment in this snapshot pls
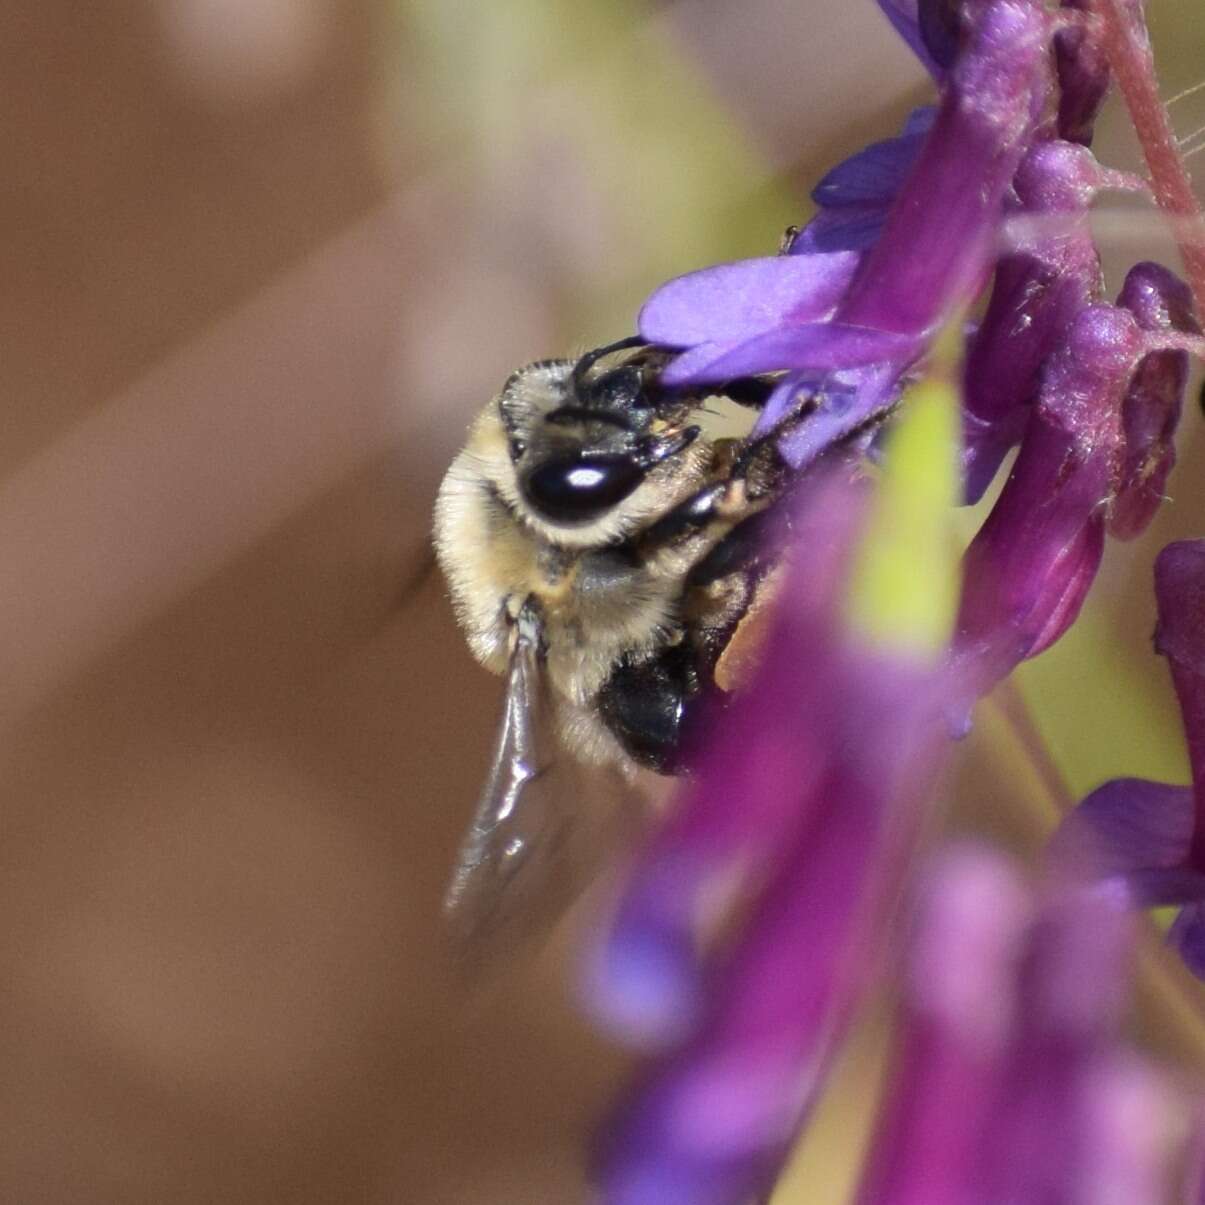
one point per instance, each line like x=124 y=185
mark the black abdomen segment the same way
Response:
x=647 y=705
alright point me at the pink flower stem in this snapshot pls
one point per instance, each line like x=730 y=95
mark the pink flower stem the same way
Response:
x=1128 y=47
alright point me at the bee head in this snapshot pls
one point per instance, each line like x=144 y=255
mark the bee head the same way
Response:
x=582 y=441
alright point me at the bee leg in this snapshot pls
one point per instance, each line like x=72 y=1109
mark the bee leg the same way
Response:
x=696 y=512
x=728 y=502
x=647 y=706
x=739 y=550
x=745 y=496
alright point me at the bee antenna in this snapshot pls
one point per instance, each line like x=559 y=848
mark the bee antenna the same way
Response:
x=591 y=358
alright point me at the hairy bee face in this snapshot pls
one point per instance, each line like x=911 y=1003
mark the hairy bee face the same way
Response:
x=591 y=455
x=586 y=494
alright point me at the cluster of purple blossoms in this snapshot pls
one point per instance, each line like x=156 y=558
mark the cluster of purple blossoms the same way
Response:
x=755 y=919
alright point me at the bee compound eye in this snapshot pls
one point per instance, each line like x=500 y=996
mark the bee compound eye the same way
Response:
x=575 y=490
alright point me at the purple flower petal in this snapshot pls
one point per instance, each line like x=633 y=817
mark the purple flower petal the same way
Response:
x=1154 y=888
x=1026 y=573
x=1180 y=593
x=810 y=346
x=732 y=302
x=1073 y=982
x=1028 y=569
x=1180 y=637
x=1187 y=938
x=759 y=317
x=694 y=364
x=722 y=1112
x=839 y=413
x=1037 y=292
x=1155 y=396
x=1127 y=1121
x=1129 y=824
x=1010 y=1084
x=874 y=175
x=1031 y=305
x=855 y=197
x=1083 y=77
x=940 y=27
x=959 y=1009
x=1086 y=380
x=715 y=1118
x=1072 y=994
x=935 y=246
x=848 y=228
x=784 y=400
x=905 y=20
x=1141 y=841
x=644 y=981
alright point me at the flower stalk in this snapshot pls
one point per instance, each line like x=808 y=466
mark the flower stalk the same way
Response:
x=1128 y=49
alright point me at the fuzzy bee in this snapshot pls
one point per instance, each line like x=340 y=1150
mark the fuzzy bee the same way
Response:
x=601 y=549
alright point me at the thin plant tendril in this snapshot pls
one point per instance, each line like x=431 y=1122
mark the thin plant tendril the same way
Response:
x=1186 y=93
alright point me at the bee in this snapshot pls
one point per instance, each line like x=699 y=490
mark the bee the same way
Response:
x=601 y=550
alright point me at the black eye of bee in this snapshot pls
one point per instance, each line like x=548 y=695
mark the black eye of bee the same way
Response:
x=575 y=490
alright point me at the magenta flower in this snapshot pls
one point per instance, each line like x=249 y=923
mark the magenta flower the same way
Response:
x=929 y=27
x=1083 y=76
x=958 y=1011
x=855 y=197
x=1041 y=285
x=1095 y=456
x=1154 y=398
x=811 y=789
x=647 y=984
x=1029 y=568
x=900 y=242
x=1146 y=840
x=1009 y=1083
x=1070 y=995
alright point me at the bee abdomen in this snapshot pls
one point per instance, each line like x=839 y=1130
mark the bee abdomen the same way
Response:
x=645 y=703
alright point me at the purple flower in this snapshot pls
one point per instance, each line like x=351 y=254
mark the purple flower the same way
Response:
x=938 y=240
x=843 y=333
x=810 y=790
x=855 y=197
x=751 y=921
x=1095 y=455
x=929 y=27
x=1028 y=569
x=1154 y=398
x=1146 y=840
x=1049 y=276
x=1083 y=75
x=1008 y=1080
x=1040 y=287
x=1070 y=993
x=957 y=1013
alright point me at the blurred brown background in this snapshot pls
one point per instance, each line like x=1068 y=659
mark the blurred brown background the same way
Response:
x=263 y=261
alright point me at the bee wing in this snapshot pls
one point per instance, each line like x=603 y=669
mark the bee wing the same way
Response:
x=539 y=829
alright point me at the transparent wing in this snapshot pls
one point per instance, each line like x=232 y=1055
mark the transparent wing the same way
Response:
x=543 y=824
